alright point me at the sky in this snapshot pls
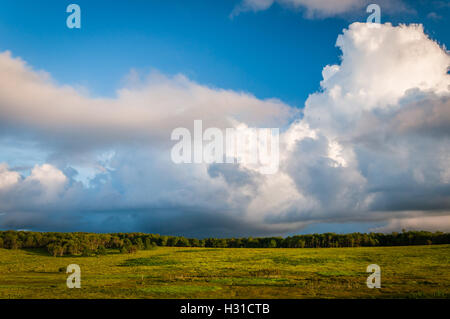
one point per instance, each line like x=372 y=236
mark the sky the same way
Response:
x=86 y=115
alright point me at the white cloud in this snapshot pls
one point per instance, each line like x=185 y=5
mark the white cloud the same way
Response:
x=50 y=179
x=7 y=178
x=44 y=185
x=376 y=138
x=147 y=110
x=379 y=66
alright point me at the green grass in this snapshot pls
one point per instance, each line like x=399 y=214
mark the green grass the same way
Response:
x=406 y=272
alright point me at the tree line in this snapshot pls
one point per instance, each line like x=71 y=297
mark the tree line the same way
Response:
x=87 y=244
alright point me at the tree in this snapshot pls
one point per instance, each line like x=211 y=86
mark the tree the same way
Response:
x=139 y=243
x=55 y=249
x=272 y=243
x=182 y=242
x=101 y=250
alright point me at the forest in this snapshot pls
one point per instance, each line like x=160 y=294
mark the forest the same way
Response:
x=87 y=244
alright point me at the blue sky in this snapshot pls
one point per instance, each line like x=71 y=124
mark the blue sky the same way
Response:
x=364 y=124
x=273 y=53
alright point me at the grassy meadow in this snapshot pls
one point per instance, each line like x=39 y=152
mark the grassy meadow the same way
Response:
x=170 y=272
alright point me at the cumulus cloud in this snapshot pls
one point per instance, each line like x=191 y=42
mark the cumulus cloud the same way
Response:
x=317 y=8
x=50 y=180
x=372 y=145
x=43 y=186
x=7 y=178
x=374 y=139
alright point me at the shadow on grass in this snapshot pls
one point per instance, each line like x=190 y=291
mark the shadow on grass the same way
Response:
x=153 y=261
x=36 y=251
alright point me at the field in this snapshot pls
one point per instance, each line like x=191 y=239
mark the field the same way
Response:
x=406 y=272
